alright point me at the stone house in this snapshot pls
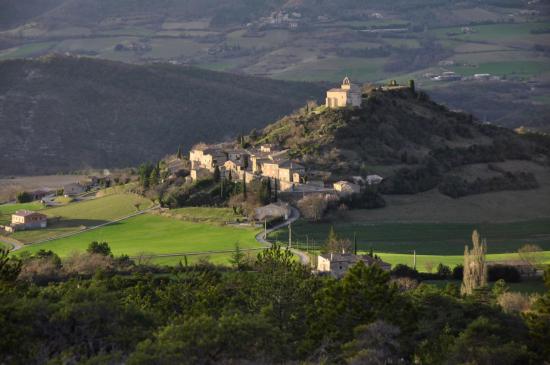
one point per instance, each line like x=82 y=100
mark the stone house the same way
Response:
x=346 y=187
x=272 y=211
x=73 y=189
x=347 y=95
x=27 y=219
x=374 y=179
x=337 y=264
x=207 y=158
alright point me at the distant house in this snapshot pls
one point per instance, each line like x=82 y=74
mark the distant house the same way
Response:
x=73 y=189
x=338 y=264
x=273 y=210
x=39 y=194
x=346 y=187
x=347 y=94
x=27 y=219
x=374 y=179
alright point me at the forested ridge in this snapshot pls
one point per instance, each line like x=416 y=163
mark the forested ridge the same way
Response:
x=60 y=114
x=271 y=310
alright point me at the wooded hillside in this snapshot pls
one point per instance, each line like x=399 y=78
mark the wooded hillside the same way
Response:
x=62 y=113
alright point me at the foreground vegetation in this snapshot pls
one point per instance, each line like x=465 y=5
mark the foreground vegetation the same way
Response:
x=271 y=310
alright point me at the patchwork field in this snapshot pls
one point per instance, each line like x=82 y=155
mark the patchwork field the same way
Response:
x=154 y=234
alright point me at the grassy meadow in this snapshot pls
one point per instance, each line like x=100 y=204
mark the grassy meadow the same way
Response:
x=153 y=234
x=76 y=216
x=6 y=210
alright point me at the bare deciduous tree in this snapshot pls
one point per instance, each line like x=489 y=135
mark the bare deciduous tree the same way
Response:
x=429 y=266
x=531 y=255
x=313 y=206
x=475 y=267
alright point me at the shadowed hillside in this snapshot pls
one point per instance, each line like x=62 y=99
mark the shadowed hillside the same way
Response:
x=61 y=114
x=414 y=142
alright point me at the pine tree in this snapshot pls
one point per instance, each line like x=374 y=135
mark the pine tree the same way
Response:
x=475 y=268
x=237 y=258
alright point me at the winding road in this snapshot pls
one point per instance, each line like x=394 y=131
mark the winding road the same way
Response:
x=294 y=215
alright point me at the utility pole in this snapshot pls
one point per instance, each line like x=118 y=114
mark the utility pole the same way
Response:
x=290 y=235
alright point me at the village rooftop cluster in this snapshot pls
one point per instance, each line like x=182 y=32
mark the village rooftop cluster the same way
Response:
x=272 y=162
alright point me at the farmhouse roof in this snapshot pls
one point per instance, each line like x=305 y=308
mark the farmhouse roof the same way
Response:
x=28 y=213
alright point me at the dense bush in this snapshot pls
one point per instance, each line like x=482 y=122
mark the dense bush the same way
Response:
x=456 y=186
x=24 y=197
x=508 y=273
x=204 y=314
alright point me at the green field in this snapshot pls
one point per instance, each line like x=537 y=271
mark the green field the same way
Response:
x=335 y=69
x=426 y=238
x=527 y=287
x=493 y=32
x=512 y=68
x=150 y=233
x=6 y=210
x=80 y=215
x=433 y=242
x=205 y=214
x=26 y=50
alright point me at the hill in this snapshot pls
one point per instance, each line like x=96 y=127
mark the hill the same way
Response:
x=415 y=143
x=65 y=113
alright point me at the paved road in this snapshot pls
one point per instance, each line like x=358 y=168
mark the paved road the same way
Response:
x=294 y=215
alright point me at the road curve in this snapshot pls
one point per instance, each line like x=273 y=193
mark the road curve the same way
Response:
x=294 y=215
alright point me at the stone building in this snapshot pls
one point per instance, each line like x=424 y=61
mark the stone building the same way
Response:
x=337 y=264
x=73 y=189
x=347 y=95
x=27 y=219
x=346 y=187
x=207 y=158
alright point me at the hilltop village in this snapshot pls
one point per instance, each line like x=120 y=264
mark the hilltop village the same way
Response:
x=271 y=161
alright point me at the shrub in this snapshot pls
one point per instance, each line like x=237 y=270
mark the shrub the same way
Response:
x=444 y=271
x=313 y=207
x=512 y=302
x=24 y=197
x=505 y=272
x=40 y=270
x=404 y=271
x=87 y=263
x=458 y=272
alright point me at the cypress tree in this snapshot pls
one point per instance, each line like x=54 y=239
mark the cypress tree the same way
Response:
x=475 y=268
x=244 y=189
x=180 y=153
x=412 y=86
x=217 y=174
